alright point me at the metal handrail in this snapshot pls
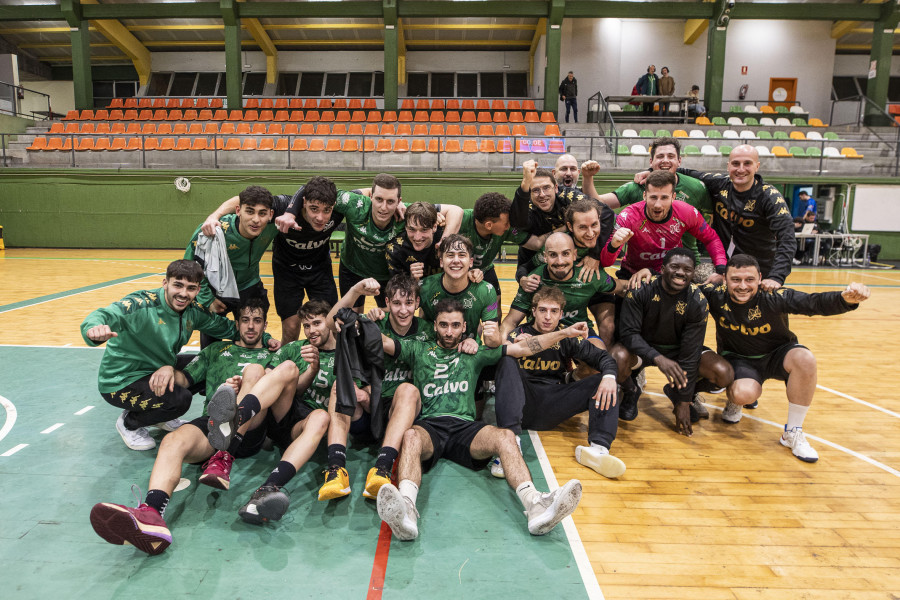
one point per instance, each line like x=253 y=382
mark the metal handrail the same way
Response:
x=18 y=94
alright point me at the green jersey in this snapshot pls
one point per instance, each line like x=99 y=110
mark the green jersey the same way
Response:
x=221 y=360
x=150 y=335
x=243 y=254
x=578 y=293
x=319 y=391
x=445 y=377
x=365 y=244
x=479 y=301
x=395 y=370
x=580 y=252
x=486 y=249
x=687 y=189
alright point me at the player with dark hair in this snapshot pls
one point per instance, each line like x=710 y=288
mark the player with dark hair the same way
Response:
x=444 y=382
x=414 y=252
x=754 y=336
x=144 y=331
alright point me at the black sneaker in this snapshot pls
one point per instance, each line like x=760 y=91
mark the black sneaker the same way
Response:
x=268 y=503
x=669 y=391
x=628 y=404
x=752 y=406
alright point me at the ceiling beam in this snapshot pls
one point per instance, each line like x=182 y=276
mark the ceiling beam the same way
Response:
x=694 y=28
x=119 y=35
x=169 y=10
x=467 y=27
x=262 y=38
x=482 y=8
x=855 y=47
x=842 y=28
x=358 y=9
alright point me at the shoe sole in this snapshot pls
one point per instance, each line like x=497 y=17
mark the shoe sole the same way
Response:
x=373 y=494
x=804 y=459
x=724 y=420
x=222 y=410
x=329 y=495
x=118 y=526
x=166 y=427
x=214 y=481
x=392 y=510
x=565 y=504
x=607 y=465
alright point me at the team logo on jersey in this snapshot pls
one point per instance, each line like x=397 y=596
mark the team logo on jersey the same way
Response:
x=161 y=322
x=724 y=193
x=261 y=355
x=655 y=298
x=783 y=211
x=680 y=307
x=754 y=313
x=629 y=295
x=139 y=300
x=362 y=229
x=225 y=225
x=359 y=203
x=468 y=302
x=126 y=304
x=226 y=353
x=673 y=228
x=152 y=296
x=751 y=204
x=234 y=247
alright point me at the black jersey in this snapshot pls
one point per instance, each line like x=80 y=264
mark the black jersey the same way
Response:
x=400 y=254
x=760 y=326
x=757 y=222
x=306 y=249
x=551 y=365
x=654 y=322
x=524 y=216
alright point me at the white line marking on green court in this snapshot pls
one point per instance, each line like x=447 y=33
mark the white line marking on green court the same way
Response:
x=84 y=410
x=592 y=587
x=10 y=416
x=53 y=428
x=14 y=449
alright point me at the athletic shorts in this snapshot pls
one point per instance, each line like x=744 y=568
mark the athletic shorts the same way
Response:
x=317 y=282
x=451 y=438
x=348 y=279
x=250 y=445
x=491 y=277
x=280 y=431
x=770 y=366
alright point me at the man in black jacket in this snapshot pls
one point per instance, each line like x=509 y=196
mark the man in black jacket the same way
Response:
x=753 y=334
x=568 y=90
x=535 y=392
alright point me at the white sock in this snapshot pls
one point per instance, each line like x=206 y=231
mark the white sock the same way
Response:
x=409 y=490
x=796 y=414
x=519 y=442
x=603 y=449
x=526 y=492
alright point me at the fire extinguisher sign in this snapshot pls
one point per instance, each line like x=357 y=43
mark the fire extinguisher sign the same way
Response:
x=743 y=70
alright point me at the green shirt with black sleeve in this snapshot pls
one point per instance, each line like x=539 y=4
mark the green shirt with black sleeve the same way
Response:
x=365 y=244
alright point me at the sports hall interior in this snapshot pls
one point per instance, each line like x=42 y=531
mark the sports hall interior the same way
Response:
x=124 y=123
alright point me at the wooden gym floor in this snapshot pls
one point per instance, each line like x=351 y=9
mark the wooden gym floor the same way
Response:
x=728 y=513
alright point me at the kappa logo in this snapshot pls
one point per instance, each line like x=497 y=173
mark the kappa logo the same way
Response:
x=234 y=247
x=161 y=322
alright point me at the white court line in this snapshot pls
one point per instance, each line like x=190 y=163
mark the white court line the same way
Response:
x=592 y=587
x=84 y=410
x=103 y=287
x=14 y=449
x=863 y=402
x=816 y=438
x=10 y=416
x=53 y=428
x=881 y=277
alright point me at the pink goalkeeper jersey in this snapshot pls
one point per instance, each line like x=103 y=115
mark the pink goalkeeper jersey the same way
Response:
x=651 y=241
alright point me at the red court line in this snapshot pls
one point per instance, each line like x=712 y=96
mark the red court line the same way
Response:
x=376 y=582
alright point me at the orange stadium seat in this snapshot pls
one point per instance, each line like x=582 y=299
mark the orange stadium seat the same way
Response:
x=220 y=115
x=469 y=130
x=407 y=105
x=242 y=129
x=350 y=145
x=167 y=143
x=295 y=103
x=358 y=116
x=438 y=104
x=134 y=143
x=57 y=128
x=552 y=130
x=470 y=146
x=500 y=117
x=282 y=115
x=404 y=129
x=280 y=103
x=468 y=116
x=130 y=115
x=504 y=146
x=436 y=129
x=179 y=128
x=342 y=116
x=420 y=129
x=371 y=129
x=532 y=117
x=387 y=129
x=300 y=145
x=266 y=103
x=199 y=143
x=258 y=129
x=118 y=143
x=368 y=145
x=296 y=116
x=340 y=104
x=312 y=116
x=307 y=129
x=324 y=103
x=421 y=116
x=484 y=117
x=389 y=116
x=355 y=129
x=133 y=129
x=453 y=104
x=186 y=103
x=435 y=146
x=487 y=147
x=148 y=129
x=316 y=145
x=548 y=117
x=514 y=105
x=323 y=129
x=369 y=104
x=333 y=145
x=202 y=103
x=401 y=145
x=528 y=105
x=502 y=130
x=327 y=116
x=486 y=130
x=373 y=117
x=275 y=129
x=354 y=104
x=251 y=115
x=422 y=104
x=452 y=116
x=211 y=129
x=384 y=145
x=116 y=115
x=281 y=145
x=339 y=129
x=84 y=144
x=482 y=105
x=498 y=105
x=436 y=116
x=227 y=129
x=291 y=129
x=183 y=143
x=452 y=146
x=265 y=115
x=418 y=145
x=190 y=115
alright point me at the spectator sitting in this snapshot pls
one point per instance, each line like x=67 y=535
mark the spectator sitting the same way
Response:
x=695 y=107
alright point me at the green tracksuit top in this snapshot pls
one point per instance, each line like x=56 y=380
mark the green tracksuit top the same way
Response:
x=150 y=335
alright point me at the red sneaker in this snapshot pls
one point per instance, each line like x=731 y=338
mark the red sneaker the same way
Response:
x=141 y=527
x=217 y=470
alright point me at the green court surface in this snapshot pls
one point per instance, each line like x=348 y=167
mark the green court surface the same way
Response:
x=473 y=541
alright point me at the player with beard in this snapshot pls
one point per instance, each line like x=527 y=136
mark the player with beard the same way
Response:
x=754 y=336
x=444 y=382
x=301 y=262
x=663 y=323
x=144 y=527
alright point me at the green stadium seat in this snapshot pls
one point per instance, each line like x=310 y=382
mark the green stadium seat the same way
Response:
x=813 y=152
x=736 y=109
x=797 y=152
x=725 y=149
x=623 y=150
x=719 y=121
x=646 y=133
x=798 y=122
x=781 y=135
x=751 y=122
x=830 y=135
x=691 y=150
x=663 y=133
x=781 y=109
x=714 y=133
x=764 y=134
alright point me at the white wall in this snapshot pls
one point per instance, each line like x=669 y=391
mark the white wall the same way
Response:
x=62 y=96
x=801 y=49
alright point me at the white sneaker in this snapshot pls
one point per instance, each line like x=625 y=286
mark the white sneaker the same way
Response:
x=599 y=459
x=732 y=413
x=717 y=391
x=497 y=468
x=398 y=512
x=796 y=441
x=136 y=439
x=170 y=425
x=550 y=508
x=641 y=379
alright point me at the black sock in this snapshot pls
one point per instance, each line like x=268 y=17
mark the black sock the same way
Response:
x=281 y=474
x=158 y=500
x=628 y=385
x=337 y=455
x=386 y=458
x=248 y=408
x=235 y=444
x=704 y=385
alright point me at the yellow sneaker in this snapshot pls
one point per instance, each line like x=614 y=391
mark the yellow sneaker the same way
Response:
x=337 y=484
x=374 y=480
